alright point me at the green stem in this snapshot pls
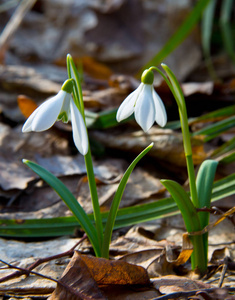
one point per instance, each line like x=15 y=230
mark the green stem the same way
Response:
x=199 y=255
x=192 y=180
x=94 y=195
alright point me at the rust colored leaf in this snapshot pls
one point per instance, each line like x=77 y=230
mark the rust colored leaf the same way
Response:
x=106 y=272
x=77 y=282
x=26 y=105
x=84 y=274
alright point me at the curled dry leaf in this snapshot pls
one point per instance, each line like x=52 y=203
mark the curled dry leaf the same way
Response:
x=187 y=249
x=77 y=282
x=85 y=273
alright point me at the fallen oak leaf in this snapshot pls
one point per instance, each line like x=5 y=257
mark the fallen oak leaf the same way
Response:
x=115 y=272
x=78 y=278
x=84 y=274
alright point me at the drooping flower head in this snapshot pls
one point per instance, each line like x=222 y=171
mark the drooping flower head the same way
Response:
x=60 y=107
x=145 y=103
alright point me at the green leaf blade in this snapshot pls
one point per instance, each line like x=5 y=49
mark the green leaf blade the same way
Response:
x=70 y=201
x=116 y=201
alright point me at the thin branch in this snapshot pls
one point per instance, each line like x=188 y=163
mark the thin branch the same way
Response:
x=27 y=271
x=225 y=267
x=64 y=285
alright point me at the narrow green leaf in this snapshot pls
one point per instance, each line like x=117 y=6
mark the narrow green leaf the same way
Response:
x=215 y=129
x=192 y=223
x=226 y=28
x=116 y=201
x=204 y=183
x=125 y=216
x=206 y=32
x=223 y=149
x=70 y=201
x=228 y=158
x=184 y=204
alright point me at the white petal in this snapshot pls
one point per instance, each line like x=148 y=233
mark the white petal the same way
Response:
x=48 y=112
x=27 y=127
x=145 y=109
x=127 y=107
x=161 y=116
x=79 y=129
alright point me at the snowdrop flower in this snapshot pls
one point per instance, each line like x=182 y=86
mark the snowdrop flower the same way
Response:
x=145 y=103
x=60 y=107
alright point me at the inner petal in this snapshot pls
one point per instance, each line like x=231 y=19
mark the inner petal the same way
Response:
x=161 y=116
x=145 y=109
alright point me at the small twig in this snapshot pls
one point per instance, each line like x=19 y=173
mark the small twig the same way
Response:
x=212 y=210
x=60 y=255
x=225 y=267
x=190 y=293
x=64 y=285
x=40 y=261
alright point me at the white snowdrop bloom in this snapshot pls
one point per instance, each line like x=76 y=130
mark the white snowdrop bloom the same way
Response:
x=145 y=103
x=60 y=107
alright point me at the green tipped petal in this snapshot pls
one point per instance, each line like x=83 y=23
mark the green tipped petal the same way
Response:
x=68 y=86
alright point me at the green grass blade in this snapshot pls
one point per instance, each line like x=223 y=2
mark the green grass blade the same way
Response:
x=125 y=216
x=223 y=149
x=116 y=201
x=179 y=36
x=225 y=26
x=206 y=32
x=192 y=223
x=216 y=129
x=204 y=183
x=184 y=204
x=224 y=187
x=228 y=158
x=222 y=112
x=70 y=201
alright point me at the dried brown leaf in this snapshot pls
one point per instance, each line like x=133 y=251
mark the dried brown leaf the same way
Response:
x=85 y=273
x=77 y=282
x=187 y=249
x=114 y=272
